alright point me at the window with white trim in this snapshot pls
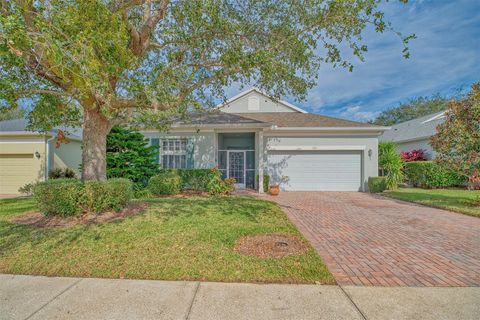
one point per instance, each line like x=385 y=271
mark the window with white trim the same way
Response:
x=173 y=153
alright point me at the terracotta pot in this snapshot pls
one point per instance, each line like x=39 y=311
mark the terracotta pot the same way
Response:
x=274 y=190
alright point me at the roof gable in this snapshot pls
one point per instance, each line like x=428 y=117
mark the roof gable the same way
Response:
x=418 y=128
x=254 y=100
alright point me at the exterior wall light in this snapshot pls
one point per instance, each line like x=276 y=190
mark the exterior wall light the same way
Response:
x=37 y=154
x=370 y=152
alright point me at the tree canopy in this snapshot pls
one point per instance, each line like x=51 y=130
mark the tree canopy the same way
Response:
x=105 y=62
x=457 y=141
x=413 y=108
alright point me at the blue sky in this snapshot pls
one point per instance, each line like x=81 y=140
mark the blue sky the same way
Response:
x=445 y=57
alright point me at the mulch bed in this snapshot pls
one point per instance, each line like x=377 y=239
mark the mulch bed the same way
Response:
x=39 y=220
x=271 y=245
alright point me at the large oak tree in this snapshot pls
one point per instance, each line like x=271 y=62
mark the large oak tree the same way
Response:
x=104 y=62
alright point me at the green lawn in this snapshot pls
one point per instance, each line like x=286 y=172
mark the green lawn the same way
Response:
x=175 y=239
x=463 y=201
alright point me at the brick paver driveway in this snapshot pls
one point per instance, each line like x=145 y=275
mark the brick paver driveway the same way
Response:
x=369 y=240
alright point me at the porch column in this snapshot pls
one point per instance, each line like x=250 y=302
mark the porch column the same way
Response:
x=261 y=151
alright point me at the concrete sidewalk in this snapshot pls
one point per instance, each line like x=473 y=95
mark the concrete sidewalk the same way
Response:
x=32 y=297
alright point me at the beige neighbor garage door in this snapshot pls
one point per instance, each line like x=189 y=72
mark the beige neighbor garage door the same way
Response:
x=16 y=170
x=316 y=170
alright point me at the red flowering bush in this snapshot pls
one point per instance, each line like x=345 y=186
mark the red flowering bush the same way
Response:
x=414 y=155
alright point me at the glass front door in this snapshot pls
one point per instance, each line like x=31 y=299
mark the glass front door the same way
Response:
x=236 y=167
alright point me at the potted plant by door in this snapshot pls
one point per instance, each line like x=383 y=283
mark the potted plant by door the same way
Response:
x=274 y=189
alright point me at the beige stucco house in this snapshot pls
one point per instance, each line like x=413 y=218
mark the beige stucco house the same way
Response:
x=27 y=156
x=253 y=134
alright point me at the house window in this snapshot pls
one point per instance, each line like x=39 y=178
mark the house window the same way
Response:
x=174 y=153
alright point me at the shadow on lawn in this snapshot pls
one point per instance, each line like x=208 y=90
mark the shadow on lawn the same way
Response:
x=248 y=207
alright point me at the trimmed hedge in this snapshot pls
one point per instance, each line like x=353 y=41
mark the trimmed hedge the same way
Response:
x=69 y=197
x=167 y=182
x=377 y=184
x=428 y=174
x=208 y=180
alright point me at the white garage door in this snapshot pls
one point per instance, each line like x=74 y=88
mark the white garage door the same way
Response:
x=316 y=170
x=16 y=170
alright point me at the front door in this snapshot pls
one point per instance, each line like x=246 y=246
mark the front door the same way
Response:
x=236 y=167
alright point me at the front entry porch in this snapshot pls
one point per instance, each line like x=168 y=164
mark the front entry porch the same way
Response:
x=236 y=157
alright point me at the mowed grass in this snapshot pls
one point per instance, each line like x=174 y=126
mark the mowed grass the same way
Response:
x=174 y=239
x=462 y=201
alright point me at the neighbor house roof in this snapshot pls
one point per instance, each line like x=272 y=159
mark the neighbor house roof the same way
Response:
x=415 y=129
x=19 y=126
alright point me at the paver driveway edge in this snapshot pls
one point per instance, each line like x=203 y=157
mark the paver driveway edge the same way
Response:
x=367 y=240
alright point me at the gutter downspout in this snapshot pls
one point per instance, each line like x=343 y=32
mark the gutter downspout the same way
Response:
x=47 y=157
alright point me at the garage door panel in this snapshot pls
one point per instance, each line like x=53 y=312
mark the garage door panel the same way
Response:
x=16 y=170
x=316 y=171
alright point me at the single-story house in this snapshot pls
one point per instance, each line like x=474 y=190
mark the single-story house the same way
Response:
x=253 y=134
x=415 y=134
x=27 y=156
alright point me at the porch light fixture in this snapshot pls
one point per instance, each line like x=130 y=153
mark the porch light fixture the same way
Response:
x=37 y=154
x=370 y=153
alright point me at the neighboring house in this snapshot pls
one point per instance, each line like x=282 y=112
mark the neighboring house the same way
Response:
x=252 y=134
x=415 y=134
x=27 y=156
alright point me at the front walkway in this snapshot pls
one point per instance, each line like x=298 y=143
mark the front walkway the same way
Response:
x=30 y=297
x=370 y=240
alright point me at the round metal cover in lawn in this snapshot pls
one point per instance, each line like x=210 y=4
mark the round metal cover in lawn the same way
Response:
x=271 y=245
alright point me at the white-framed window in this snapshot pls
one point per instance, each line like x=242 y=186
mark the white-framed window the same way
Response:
x=173 y=153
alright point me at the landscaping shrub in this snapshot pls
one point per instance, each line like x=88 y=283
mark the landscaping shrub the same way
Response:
x=377 y=184
x=208 y=180
x=390 y=164
x=167 y=182
x=414 y=155
x=59 y=173
x=69 y=197
x=428 y=174
x=266 y=182
x=113 y=194
x=61 y=197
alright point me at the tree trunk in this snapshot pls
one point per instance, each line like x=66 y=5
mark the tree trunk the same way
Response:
x=95 y=130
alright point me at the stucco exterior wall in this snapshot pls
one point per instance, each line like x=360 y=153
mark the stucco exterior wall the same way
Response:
x=344 y=142
x=204 y=145
x=67 y=155
x=418 y=144
x=266 y=104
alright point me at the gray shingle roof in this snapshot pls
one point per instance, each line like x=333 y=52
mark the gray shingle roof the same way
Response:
x=419 y=128
x=20 y=125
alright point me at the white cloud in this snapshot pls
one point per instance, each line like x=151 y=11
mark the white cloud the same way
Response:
x=356 y=113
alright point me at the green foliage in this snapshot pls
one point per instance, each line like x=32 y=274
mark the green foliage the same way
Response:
x=141 y=62
x=390 y=164
x=59 y=173
x=167 y=182
x=129 y=156
x=27 y=189
x=142 y=193
x=428 y=174
x=11 y=113
x=62 y=197
x=102 y=195
x=208 y=180
x=69 y=197
x=266 y=182
x=377 y=184
x=412 y=109
x=457 y=141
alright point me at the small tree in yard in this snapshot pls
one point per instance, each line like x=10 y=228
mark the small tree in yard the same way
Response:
x=129 y=156
x=390 y=164
x=457 y=141
x=107 y=62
